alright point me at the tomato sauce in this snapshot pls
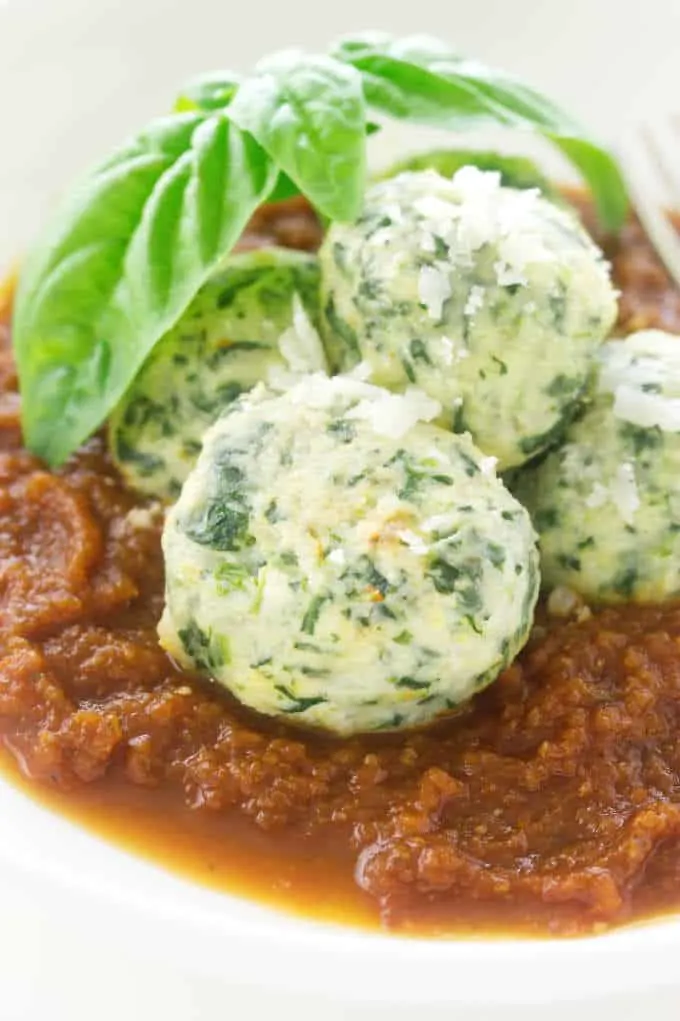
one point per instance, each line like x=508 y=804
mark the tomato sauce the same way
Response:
x=551 y=804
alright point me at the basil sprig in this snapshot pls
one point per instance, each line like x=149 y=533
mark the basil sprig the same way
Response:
x=419 y=79
x=136 y=240
x=308 y=113
x=119 y=264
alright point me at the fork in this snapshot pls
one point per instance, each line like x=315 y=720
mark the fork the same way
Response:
x=650 y=159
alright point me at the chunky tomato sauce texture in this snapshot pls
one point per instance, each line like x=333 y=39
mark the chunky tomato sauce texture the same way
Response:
x=551 y=804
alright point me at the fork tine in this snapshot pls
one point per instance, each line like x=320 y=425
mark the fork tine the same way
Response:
x=663 y=144
x=646 y=166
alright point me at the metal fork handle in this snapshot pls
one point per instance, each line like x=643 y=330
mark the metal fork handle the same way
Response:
x=649 y=160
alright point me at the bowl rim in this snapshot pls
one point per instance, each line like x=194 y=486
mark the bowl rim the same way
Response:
x=206 y=931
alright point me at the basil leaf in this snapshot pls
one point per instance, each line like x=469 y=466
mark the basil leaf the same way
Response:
x=286 y=189
x=208 y=92
x=421 y=80
x=418 y=48
x=601 y=170
x=283 y=189
x=215 y=91
x=308 y=113
x=399 y=82
x=119 y=265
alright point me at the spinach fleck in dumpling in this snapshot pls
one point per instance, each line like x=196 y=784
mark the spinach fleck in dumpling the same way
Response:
x=257 y=314
x=334 y=560
x=493 y=300
x=606 y=504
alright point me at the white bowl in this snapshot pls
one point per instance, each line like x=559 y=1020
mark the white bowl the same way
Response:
x=87 y=930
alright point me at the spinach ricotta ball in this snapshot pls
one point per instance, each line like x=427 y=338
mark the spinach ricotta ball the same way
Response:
x=515 y=171
x=258 y=314
x=493 y=300
x=335 y=560
x=606 y=505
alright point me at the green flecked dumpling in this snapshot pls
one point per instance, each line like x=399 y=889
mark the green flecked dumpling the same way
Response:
x=492 y=300
x=257 y=315
x=606 y=504
x=338 y=561
x=515 y=171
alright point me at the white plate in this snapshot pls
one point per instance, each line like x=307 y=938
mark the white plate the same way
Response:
x=87 y=931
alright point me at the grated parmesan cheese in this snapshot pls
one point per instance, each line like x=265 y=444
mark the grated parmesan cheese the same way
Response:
x=475 y=300
x=607 y=503
x=389 y=414
x=642 y=373
x=414 y=542
x=647 y=410
x=395 y=414
x=341 y=613
x=622 y=492
x=439 y=523
x=363 y=372
x=563 y=601
x=447 y=350
x=437 y=305
x=144 y=518
x=487 y=465
x=625 y=492
x=301 y=344
x=598 y=496
x=434 y=289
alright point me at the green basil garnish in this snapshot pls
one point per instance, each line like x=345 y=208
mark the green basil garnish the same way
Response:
x=209 y=92
x=137 y=239
x=421 y=80
x=308 y=113
x=120 y=263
